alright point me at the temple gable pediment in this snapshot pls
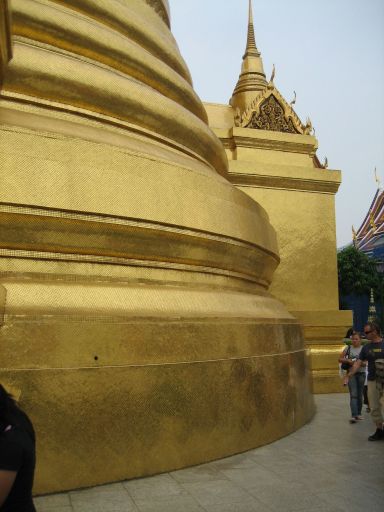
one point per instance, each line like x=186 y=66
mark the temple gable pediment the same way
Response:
x=270 y=111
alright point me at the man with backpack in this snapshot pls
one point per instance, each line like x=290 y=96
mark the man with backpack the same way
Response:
x=373 y=353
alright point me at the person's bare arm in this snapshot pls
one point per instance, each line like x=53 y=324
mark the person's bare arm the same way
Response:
x=356 y=365
x=7 y=479
x=352 y=370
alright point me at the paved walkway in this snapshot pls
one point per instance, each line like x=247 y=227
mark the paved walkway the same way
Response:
x=327 y=466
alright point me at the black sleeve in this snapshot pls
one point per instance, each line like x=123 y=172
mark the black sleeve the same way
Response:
x=363 y=354
x=11 y=455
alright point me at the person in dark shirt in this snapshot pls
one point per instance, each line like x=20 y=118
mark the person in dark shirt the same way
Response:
x=372 y=352
x=17 y=457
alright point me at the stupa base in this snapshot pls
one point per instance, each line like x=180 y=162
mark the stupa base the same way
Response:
x=115 y=396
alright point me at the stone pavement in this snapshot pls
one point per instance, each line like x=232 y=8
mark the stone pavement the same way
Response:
x=327 y=466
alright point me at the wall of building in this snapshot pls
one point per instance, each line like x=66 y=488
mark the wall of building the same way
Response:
x=280 y=172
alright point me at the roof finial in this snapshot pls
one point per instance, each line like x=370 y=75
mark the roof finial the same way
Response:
x=252 y=78
x=272 y=74
x=294 y=99
x=251 y=48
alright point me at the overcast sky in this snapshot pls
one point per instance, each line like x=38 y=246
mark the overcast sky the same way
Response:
x=331 y=52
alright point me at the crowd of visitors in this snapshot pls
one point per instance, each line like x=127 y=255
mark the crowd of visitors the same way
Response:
x=365 y=364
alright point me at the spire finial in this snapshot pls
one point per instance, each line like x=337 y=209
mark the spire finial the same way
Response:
x=252 y=78
x=250 y=17
x=251 y=48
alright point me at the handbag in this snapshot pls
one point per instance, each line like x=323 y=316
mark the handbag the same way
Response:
x=346 y=366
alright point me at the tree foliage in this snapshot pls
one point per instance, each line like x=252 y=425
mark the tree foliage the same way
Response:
x=357 y=273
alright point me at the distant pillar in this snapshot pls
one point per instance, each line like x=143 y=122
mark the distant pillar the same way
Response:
x=372 y=313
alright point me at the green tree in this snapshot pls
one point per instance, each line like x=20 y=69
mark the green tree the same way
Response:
x=357 y=273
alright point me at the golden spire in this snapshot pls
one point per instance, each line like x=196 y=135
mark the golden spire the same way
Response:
x=251 y=48
x=252 y=78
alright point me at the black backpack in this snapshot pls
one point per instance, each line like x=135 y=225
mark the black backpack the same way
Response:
x=346 y=366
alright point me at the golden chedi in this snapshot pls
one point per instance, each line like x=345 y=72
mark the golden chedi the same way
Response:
x=136 y=322
x=272 y=158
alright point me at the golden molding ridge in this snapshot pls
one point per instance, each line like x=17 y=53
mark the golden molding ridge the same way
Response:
x=162 y=9
x=306 y=148
x=284 y=182
x=61 y=112
x=124 y=18
x=62 y=28
x=5 y=37
x=125 y=221
x=63 y=82
x=84 y=258
x=68 y=236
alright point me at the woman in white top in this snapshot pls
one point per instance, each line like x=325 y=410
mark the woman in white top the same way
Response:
x=356 y=382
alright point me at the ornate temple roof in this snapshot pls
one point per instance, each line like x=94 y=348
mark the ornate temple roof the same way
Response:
x=270 y=111
x=369 y=238
x=257 y=103
x=252 y=77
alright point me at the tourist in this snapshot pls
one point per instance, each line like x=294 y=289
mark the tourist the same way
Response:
x=17 y=457
x=373 y=353
x=355 y=383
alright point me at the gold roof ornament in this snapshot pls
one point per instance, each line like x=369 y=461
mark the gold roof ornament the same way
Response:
x=372 y=221
x=377 y=179
x=308 y=128
x=273 y=74
x=294 y=99
x=252 y=78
